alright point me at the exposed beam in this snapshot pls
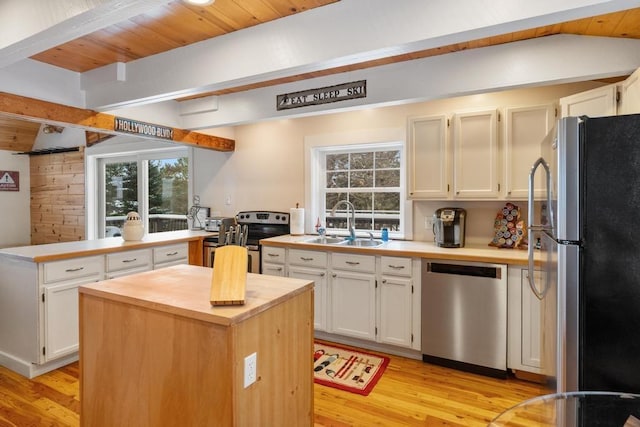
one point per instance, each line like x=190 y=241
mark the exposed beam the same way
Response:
x=48 y=112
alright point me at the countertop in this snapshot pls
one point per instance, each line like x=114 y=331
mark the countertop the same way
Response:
x=56 y=251
x=411 y=249
x=184 y=290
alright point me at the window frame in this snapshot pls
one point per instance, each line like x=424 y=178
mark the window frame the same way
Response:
x=317 y=146
x=132 y=151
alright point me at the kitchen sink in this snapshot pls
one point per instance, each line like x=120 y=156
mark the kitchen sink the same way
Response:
x=362 y=242
x=325 y=240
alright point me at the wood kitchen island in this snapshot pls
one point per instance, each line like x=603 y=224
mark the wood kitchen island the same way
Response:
x=154 y=352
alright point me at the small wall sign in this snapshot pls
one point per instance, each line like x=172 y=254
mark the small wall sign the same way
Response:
x=9 y=181
x=141 y=128
x=323 y=95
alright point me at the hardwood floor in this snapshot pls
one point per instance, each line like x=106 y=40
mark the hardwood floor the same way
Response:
x=409 y=393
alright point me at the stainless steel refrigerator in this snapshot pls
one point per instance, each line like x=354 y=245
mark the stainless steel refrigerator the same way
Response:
x=584 y=216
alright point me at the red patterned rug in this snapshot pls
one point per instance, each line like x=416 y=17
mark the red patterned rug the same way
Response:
x=346 y=369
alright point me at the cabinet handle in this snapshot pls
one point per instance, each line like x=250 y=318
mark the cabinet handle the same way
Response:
x=384 y=280
x=306 y=259
x=72 y=270
x=352 y=262
x=172 y=253
x=279 y=269
x=273 y=255
x=129 y=260
x=396 y=267
x=334 y=275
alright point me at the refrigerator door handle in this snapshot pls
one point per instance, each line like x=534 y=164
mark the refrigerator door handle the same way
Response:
x=537 y=227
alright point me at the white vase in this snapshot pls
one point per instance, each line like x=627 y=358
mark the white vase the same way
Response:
x=132 y=228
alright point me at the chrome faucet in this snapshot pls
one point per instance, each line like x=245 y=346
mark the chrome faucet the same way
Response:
x=350 y=224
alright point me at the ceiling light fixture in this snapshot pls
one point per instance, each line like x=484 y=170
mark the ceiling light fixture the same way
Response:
x=199 y=2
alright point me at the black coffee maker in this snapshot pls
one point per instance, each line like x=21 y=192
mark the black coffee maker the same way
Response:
x=448 y=227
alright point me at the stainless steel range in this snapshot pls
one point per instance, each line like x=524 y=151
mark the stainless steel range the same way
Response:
x=259 y=225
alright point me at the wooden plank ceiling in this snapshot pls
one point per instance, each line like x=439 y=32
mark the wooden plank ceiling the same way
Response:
x=176 y=24
x=17 y=135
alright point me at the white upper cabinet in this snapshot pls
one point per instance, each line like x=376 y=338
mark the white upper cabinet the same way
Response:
x=475 y=159
x=524 y=129
x=630 y=94
x=428 y=171
x=597 y=102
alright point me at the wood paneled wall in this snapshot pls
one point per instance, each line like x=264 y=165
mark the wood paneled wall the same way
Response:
x=57 y=197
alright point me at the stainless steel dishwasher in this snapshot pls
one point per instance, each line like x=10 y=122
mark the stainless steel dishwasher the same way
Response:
x=464 y=316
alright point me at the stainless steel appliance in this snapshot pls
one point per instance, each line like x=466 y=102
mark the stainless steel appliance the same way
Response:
x=448 y=227
x=587 y=224
x=258 y=225
x=213 y=223
x=464 y=316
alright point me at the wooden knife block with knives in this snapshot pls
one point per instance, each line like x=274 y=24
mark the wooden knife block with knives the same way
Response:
x=229 y=280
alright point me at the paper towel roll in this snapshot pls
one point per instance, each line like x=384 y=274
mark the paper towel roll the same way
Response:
x=296 y=221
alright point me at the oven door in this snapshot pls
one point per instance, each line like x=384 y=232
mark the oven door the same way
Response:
x=253 y=264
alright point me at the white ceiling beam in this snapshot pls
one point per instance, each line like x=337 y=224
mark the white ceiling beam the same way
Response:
x=342 y=33
x=535 y=62
x=28 y=27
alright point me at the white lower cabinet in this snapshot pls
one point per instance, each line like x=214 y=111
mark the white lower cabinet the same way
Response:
x=525 y=320
x=273 y=261
x=319 y=277
x=367 y=297
x=61 y=324
x=353 y=304
x=312 y=265
x=396 y=291
x=59 y=297
x=39 y=327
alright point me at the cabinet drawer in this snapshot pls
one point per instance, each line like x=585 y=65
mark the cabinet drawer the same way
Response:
x=273 y=255
x=351 y=262
x=128 y=259
x=308 y=258
x=395 y=266
x=56 y=271
x=164 y=254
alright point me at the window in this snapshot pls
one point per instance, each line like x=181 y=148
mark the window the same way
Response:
x=370 y=180
x=153 y=183
x=369 y=175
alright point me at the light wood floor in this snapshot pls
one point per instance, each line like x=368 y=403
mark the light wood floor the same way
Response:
x=409 y=393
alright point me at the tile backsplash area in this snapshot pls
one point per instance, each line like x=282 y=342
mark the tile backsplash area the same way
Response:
x=479 y=221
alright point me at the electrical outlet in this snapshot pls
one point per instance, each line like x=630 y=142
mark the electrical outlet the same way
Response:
x=428 y=223
x=250 y=369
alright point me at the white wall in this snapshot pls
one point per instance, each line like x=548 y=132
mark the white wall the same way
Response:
x=267 y=169
x=15 y=217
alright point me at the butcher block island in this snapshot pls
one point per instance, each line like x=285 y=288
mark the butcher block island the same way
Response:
x=153 y=351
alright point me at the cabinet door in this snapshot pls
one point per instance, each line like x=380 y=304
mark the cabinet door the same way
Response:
x=319 y=278
x=475 y=148
x=597 y=102
x=272 y=269
x=61 y=318
x=524 y=313
x=395 y=311
x=630 y=94
x=531 y=323
x=525 y=128
x=428 y=160
x=352 y=306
